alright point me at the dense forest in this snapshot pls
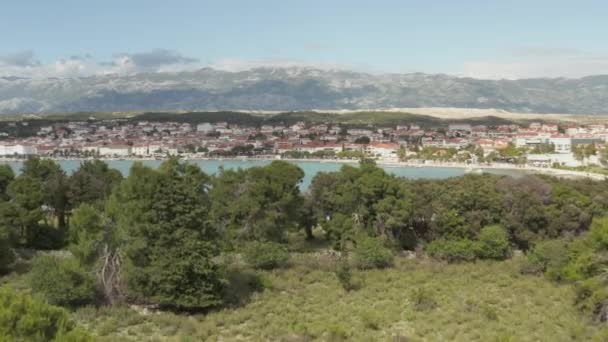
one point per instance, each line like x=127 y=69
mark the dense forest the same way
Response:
x=179 y=242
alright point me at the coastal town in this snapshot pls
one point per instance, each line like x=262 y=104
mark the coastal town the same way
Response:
x=535 y=144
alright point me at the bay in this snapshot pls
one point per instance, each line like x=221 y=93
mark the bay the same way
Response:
x=310 y=168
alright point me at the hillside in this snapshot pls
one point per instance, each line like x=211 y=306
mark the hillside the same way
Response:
x=298 y=89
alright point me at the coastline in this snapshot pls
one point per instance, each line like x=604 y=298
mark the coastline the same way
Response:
x=382 y=162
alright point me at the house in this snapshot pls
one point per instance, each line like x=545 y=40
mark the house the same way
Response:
x=550 y=127
x=282 y=147
x=487 y=145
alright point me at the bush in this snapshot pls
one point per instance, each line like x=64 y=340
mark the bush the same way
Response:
x=453 y=250
x=549 y=257
x=345 y=276
x=423 y=300
x=265 y=255
x=371 y=253
x=493 y=243
x=23 y=318
x=62 y=281
x=592 y=297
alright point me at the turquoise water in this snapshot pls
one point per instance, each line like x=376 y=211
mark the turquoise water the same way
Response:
x=311 y=168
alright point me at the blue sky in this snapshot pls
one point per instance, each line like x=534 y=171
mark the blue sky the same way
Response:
x=487 y=39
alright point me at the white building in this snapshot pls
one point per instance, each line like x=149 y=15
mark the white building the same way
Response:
x=140 y=150
x=523 y=140
x=205 y=127
x=562 y=144
x=382 y=150
x=19 y=149
x=359 y=131
x=548 y=159
x=115 y=150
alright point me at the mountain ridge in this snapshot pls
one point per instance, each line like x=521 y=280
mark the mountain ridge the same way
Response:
x=297 y=89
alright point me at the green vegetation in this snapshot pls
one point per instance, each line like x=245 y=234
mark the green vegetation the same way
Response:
x=25 y=319
x=453 y=250
x=167 y=244
x=362 y=255
x=62 y=281
x=413 y=301
x=371 y=253
x=265 y=255
x=29 y=125
x=493 y=243
x=582 y=262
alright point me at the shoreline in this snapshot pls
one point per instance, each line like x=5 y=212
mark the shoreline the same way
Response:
x=385 y=163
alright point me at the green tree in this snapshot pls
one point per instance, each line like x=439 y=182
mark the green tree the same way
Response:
x=362 y=140
x=54 y=185
x=88 y=232
x=6 y=177
x=92 y=183
x=259 y=203
x=24 y=213
x=168 y=243
x=7 y=255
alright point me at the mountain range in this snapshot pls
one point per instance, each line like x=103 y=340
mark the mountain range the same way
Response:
x=296 y=89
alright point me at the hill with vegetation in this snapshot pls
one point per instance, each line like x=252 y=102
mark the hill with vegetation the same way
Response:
x=354 y=119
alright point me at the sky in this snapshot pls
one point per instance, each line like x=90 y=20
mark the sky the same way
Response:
x=490 y=39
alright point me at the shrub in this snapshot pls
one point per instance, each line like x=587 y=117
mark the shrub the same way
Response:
x=62 y=281
x=265 y=255
x=489 y=313
x=371 y=253
x=493 y=243
x=549 y=257
x=423 y=300
x=23 y=318
x=345 y=276
x=452 y=250
x=592 y=297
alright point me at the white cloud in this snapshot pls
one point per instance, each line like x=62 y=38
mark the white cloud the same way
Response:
x=24 y=64
x=19 y=59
